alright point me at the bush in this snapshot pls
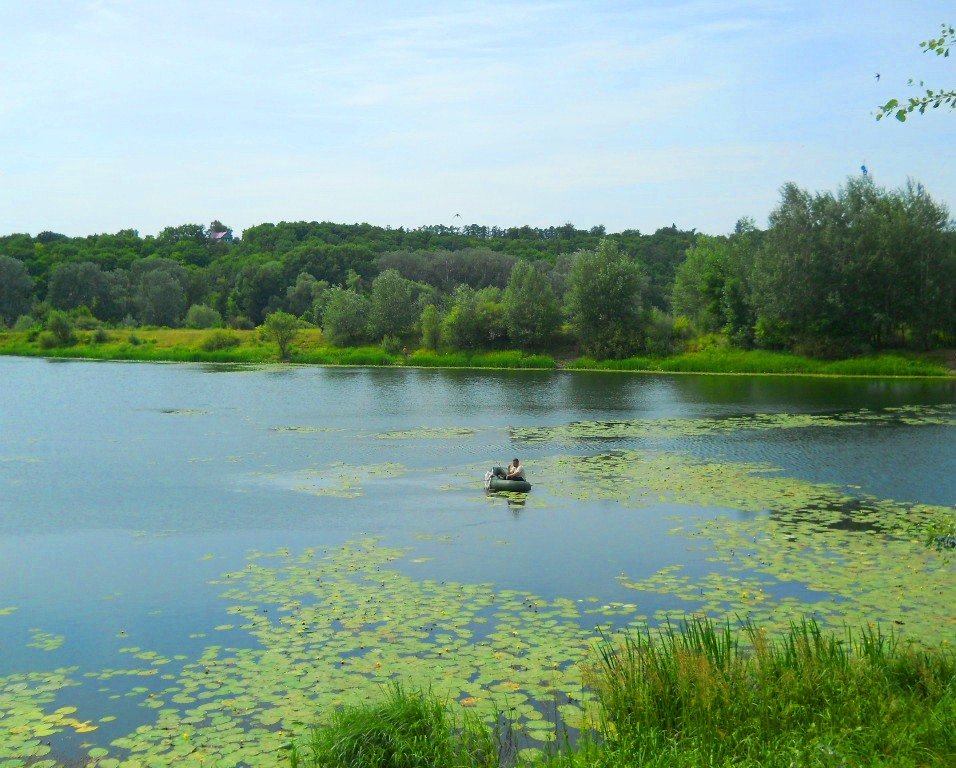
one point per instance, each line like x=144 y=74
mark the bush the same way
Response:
x=59 y=324
x=134 y=339
x=241 y=323
x=202 y=316
x=99 y=337
x=392 y=344
x=220 y=340
x=47 y=340
x=660 y=333
x=83 y=319
x=24 y=323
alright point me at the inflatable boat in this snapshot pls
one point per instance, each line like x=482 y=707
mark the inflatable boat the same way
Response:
x=495 y=481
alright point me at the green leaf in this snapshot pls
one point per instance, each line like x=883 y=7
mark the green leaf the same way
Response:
x=901 y=115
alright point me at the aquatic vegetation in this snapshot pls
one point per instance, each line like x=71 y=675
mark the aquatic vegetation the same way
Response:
x=918 y=415
x=729 y=696
x=406 y=730
x=429 y=433
x=860 y=558
x=24 y=718
x=306 y=430
x=45 y=641
x=341 y=480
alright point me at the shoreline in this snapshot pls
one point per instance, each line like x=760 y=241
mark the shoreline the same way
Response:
x=937 y=377
x=187 y=346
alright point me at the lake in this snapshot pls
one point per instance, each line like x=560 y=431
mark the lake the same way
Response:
x=197 y=561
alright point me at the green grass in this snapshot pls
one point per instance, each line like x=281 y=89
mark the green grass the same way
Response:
x=406 y=730
x=696 y=695
x=809 y=698
x=183 y=345
x=762 y=361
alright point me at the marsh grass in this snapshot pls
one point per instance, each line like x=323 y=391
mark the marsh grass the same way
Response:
x=695 y=694
x=808 y=698
x=762 y=361
x=409 y=729
x=309 y=347
x=499 y=359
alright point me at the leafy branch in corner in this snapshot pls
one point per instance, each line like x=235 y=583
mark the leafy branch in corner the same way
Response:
x=940 y=46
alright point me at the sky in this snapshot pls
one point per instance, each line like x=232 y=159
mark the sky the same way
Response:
x=632 y=115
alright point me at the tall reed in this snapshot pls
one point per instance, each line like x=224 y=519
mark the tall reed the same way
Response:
x=865 y=697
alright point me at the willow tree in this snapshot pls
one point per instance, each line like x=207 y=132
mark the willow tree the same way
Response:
x=605 y=301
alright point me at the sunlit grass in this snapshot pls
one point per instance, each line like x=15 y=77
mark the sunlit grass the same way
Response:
x=809 y=697
x=406 y=730
x=695 y=695
x=309 y=347
x=762 y=361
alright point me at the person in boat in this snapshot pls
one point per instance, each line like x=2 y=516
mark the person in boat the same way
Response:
x=515 y=471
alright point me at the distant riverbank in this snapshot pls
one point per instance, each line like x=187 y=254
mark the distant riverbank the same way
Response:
x=231 y=346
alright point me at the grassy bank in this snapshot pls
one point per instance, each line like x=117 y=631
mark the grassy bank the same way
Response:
x=697 y=695
x=762 y=361
x=228 y=346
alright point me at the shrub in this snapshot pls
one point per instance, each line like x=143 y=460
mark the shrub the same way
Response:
x=660 y=333
x=220 y=340
x=392 y=344
x=47 y=340
x=134 y=339
x=59 y=324
x=99 y=337
x=24 y=323
x=202 y=316
x=241 y=323
x=83 y=319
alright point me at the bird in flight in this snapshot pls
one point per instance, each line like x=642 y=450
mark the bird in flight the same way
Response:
x=877 y=76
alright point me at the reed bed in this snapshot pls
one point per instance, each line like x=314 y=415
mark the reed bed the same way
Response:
x=693 y=695
x=407 y=730
x=762 y=361
x=723 y=697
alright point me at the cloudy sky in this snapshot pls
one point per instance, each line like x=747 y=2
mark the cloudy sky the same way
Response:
x=636 y=115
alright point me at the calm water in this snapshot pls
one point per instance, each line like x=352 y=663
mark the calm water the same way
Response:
x=125 y=488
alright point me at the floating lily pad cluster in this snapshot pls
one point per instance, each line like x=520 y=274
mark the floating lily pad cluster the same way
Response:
x=428 y=433
x=576 y=432
x=45 y=641
x=343 y=481
x=27 y=717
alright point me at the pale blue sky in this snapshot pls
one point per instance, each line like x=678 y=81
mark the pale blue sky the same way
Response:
x=629 y=114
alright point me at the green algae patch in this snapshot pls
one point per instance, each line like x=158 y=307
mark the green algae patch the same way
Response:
x=343 y=481
x=45 y=641
x=428 y=433
x=916 y=415
x=306 y=430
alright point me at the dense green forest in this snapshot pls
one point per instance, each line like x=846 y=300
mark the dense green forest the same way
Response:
x=833 y=274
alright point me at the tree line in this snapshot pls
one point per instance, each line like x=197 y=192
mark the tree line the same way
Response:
x=834 y=273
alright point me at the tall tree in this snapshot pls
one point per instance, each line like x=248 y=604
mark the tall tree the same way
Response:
x=392 y=310
x=16 y=287
x=531 y=311
x=345 y=320
x=80 y=284
x=605 y=301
